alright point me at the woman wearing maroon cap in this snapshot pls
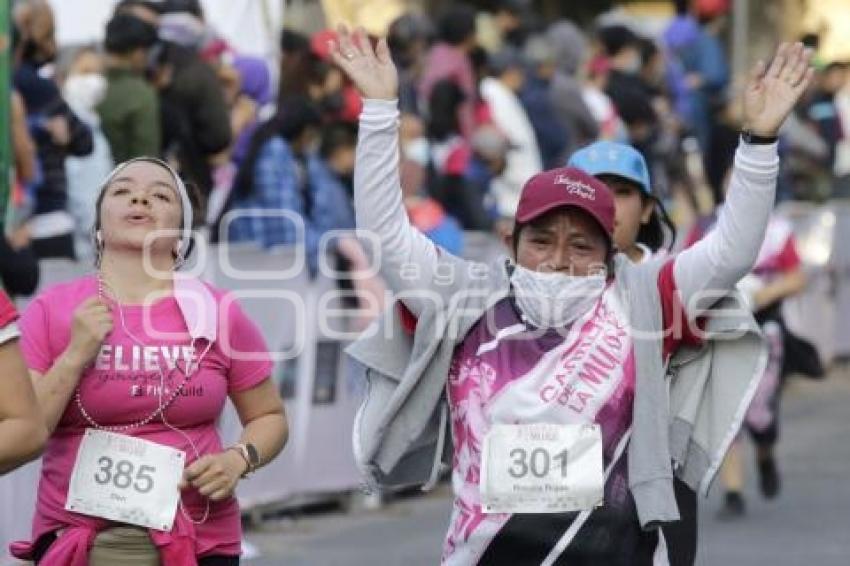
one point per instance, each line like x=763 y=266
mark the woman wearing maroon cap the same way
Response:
x=571 y=393
x=22 y=430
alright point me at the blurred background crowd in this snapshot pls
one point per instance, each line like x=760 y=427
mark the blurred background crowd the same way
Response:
x=490 y=95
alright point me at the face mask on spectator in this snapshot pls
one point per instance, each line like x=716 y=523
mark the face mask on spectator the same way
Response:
x=85 y=90
x=633 y=66
x=417 y=150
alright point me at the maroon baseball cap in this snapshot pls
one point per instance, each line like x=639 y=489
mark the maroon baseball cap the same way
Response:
x=567 y=186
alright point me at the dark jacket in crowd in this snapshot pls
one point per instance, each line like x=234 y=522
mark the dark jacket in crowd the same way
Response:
x=43 y=102
x=552 y=136
x=632 y=97
x=129 y=115
x=195 y=118
x=823 y=112
x=18 y=269
x=565 y=90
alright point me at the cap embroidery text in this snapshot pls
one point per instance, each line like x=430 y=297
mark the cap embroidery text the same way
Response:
x=575 y=187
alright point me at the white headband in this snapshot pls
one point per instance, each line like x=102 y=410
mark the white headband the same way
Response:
x=186 y=236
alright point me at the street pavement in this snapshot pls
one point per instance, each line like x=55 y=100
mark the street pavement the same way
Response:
x=808 y=525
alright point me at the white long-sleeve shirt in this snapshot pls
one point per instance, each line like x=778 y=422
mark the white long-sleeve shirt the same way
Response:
x=523 y=159
x=707 y=269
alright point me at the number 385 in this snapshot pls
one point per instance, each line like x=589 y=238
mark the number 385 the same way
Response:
x=123 y=474
x=538 y=462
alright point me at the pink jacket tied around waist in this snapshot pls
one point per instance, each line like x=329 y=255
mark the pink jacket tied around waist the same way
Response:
x=176 y=548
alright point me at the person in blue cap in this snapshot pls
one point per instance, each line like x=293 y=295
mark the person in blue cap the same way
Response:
x=639 y=233
x=640 y=217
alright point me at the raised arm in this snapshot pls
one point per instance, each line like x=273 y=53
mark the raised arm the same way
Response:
x=716 y=263
x=408 y=258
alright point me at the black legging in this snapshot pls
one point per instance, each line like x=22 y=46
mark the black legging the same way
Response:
x=61 y=247
x=681 y=536
x=219 y=561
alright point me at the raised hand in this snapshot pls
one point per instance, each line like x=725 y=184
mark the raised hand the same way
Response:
x=371 y=70
x=771 y=93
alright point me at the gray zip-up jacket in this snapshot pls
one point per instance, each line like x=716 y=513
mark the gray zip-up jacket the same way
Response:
x=686 y=412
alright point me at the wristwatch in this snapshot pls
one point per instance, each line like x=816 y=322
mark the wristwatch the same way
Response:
x=749 y=137
x=249 y=452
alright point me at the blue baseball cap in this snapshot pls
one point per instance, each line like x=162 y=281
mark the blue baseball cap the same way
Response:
x=612 y=158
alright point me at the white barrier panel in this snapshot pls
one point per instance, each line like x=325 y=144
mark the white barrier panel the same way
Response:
x=18 y=494
x=319 y=401
x=52 y=271
x=811 y=314
x=840 y=264
x=814 y=314
x=275 y=319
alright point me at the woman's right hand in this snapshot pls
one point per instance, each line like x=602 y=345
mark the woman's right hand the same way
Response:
x=92 y=322
x=371 y=70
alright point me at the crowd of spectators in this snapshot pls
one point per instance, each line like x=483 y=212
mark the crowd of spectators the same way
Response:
x=487 y=99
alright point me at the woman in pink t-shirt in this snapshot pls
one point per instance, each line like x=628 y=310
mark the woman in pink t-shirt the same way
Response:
x=137 y=351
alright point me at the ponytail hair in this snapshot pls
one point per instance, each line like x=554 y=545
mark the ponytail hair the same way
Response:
x=659 y=229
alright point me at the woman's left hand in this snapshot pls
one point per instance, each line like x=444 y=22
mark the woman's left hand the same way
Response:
x=215 y=475
x=771 y=93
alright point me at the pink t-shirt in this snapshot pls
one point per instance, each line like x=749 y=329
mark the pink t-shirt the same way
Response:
x=122 y=388
x=8 y=314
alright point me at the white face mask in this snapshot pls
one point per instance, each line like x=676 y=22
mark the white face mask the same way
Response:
x=417 y=150
x=633 y=66
x=555 y=300
x=85 y=90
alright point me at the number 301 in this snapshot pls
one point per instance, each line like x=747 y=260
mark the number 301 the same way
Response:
x=122 y=476
x=538 y=462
